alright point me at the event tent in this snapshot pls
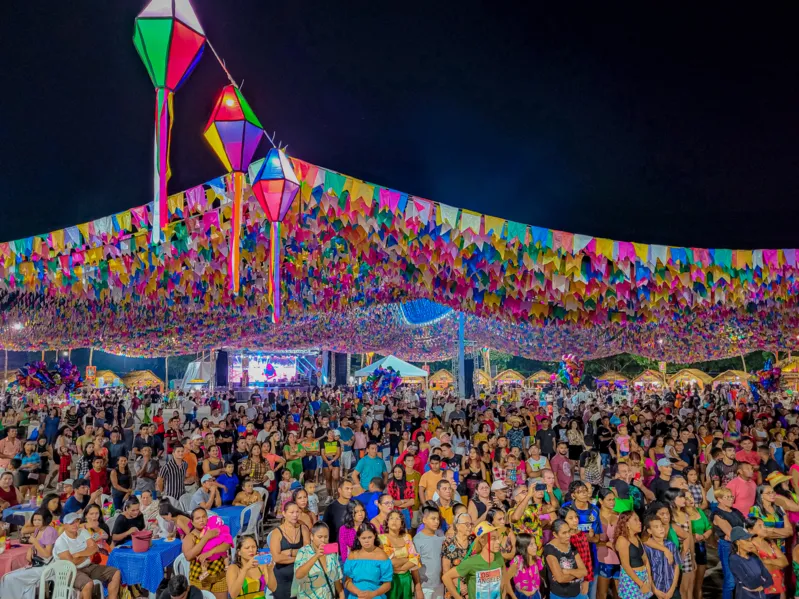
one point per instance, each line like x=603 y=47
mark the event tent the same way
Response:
x=612 y=377
x=691 y=376
x=539 y=379
x=789 y=378
x=649 y=377
x=142 y=379
x=441 y=379
x=107 y=378
x=405 y=370
x=732 y=377
x=481 y=378
x=509 y=377
x=198 y=375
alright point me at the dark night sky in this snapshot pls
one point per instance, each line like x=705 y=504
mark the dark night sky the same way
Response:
x=676 y=127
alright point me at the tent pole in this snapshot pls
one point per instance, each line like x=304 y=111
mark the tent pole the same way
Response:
x=5 y=379
x=166 y=375
x=91 y=355
x=461 y=358
x=743 y=361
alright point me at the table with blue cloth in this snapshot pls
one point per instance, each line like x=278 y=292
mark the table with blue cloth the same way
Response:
x=146 y=569
x=231 y=516
x=19 y=514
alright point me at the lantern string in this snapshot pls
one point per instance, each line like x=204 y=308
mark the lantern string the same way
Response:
x=236 y=85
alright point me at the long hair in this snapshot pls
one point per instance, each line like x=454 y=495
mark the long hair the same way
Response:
x=759 y=502
x=48 y=498
x=167 y=509
x=622 y=529
x=365 y=527
x=523 y=541
x=239 y=543
x=402 y=531
x=349 y=516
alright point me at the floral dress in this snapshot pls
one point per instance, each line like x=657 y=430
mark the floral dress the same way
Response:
x=530 y=523
x=455 y=554
x=401 y=584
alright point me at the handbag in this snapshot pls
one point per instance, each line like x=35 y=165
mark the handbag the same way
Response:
x=38 y=562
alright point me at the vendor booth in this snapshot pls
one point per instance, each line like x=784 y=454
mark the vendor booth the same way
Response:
x=142 y=379
x=411 y=375
x=539 y=380
x=441 y=380
x=481 y=378
x=689 y=377
x=649 y=379
x=789 y=377
x=105 y=379
x=509 y=377
x=732 y=377
x=612 y=378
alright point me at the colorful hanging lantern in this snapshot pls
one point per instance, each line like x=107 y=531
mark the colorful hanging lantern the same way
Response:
x=234 y=133
x=170 y=41
x=275 y=184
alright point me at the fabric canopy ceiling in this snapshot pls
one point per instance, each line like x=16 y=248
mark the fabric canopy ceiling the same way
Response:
x=354 y=252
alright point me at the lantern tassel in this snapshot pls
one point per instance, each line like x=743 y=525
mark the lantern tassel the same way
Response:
x=274 y=286
x=163 y=120
x=237 y=180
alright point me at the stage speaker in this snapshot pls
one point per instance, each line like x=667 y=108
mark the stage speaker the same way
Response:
x=221 y=369
x=468 y=375
x=340 y=368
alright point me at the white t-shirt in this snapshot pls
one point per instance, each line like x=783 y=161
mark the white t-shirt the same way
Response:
x=65 y=543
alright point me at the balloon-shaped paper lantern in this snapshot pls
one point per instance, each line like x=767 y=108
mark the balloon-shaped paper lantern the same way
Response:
x=275 y=184
x=233 y=131
x=170 y=41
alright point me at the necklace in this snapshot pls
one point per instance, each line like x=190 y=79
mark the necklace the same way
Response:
x=296 y=536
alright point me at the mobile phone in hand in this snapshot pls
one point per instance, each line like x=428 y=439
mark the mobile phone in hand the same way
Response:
x=263 y=559
x=330 y=548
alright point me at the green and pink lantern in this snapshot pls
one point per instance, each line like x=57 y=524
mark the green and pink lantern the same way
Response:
x=275 y=184
x=170 y=41
x=233 y=131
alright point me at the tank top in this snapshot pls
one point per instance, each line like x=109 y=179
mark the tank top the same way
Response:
x=637 y=555
x=253 y=588
x=285 y=572
x=123 y=480
x=481 y=507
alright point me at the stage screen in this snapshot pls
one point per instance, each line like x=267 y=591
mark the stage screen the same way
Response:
x=262 y=369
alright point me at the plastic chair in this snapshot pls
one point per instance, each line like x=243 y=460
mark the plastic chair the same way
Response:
x=185 y=502
x=208 y=595
x=110 y=522
x=63 y=574
x=254 y=512
x=181 y=565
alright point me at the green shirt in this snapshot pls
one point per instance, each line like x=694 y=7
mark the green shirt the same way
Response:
x=558 y=495
x=476 y=571
x=701 y=525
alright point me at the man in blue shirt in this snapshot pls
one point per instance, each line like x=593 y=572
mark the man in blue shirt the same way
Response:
x=346 y=435
x=369 y=498
x=80 y=498
x=369 y=467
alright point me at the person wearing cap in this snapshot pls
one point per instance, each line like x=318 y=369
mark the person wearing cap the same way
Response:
x=77 y=546
x=208 y=495
x=662 y=483
x=750 y=575
x=484 y=573
x=499 y=495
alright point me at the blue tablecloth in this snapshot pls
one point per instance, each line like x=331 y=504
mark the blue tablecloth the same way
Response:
x=11 y=511
x=231 y=516
x=146 y=569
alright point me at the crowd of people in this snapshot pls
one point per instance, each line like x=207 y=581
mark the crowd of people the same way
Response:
x=414 y=495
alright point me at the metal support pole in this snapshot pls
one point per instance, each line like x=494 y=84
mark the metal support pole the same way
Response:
x=5 y=376
x=166 y=374
x=91 y=355
x=461 y=358
x=743 y=361
x=212 y=382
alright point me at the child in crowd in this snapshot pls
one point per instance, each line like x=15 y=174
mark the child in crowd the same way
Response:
x=313 y=499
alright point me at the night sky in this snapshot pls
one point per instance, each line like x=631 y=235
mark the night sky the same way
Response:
x=675 y=127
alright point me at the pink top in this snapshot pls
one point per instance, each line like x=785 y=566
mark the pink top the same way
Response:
x=528 y=578
x=605 y=553
x=744 y=493
x=346 y=537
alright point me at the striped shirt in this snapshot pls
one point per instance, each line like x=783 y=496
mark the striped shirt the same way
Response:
x=174 y=478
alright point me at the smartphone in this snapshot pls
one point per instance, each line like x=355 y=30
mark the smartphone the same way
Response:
x=330 y=548
x=263 y=559
x=637 y=476
x=540 y=486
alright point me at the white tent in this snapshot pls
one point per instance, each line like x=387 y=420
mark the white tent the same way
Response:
x=404 y=369
x=198 y=375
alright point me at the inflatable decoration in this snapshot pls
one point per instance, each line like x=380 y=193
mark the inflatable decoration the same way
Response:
x=570 y=372
x=35 y=376
x=381 y=382
x=769 y=377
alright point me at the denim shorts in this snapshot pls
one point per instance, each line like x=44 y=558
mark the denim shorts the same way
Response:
x=608 y=570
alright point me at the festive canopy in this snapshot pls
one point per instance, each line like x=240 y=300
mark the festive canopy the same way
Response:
x=403 y=368
x=735 y=377
x=481 y=378
x=690 y=376
x=107 y=378
x=355 y=253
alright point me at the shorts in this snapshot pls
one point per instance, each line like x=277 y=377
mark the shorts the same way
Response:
x=701 y=553
x=309 y=463
x=608 y=570
x=88 y=574
x=335 y=464
x=346 y=460
x=434 y=593
x=520 y=595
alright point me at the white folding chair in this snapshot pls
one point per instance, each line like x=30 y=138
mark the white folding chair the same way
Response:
x=110 y=522
x=185 y=502
x=181 y=565
x=254 y=512
x=62 y=573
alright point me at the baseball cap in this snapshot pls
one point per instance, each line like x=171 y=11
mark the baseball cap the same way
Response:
x=739 y=534
x=70 y=518
x=206 y=478
x=69 y=483
x=498 y=485
x=664 y=463
x=196 y=438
